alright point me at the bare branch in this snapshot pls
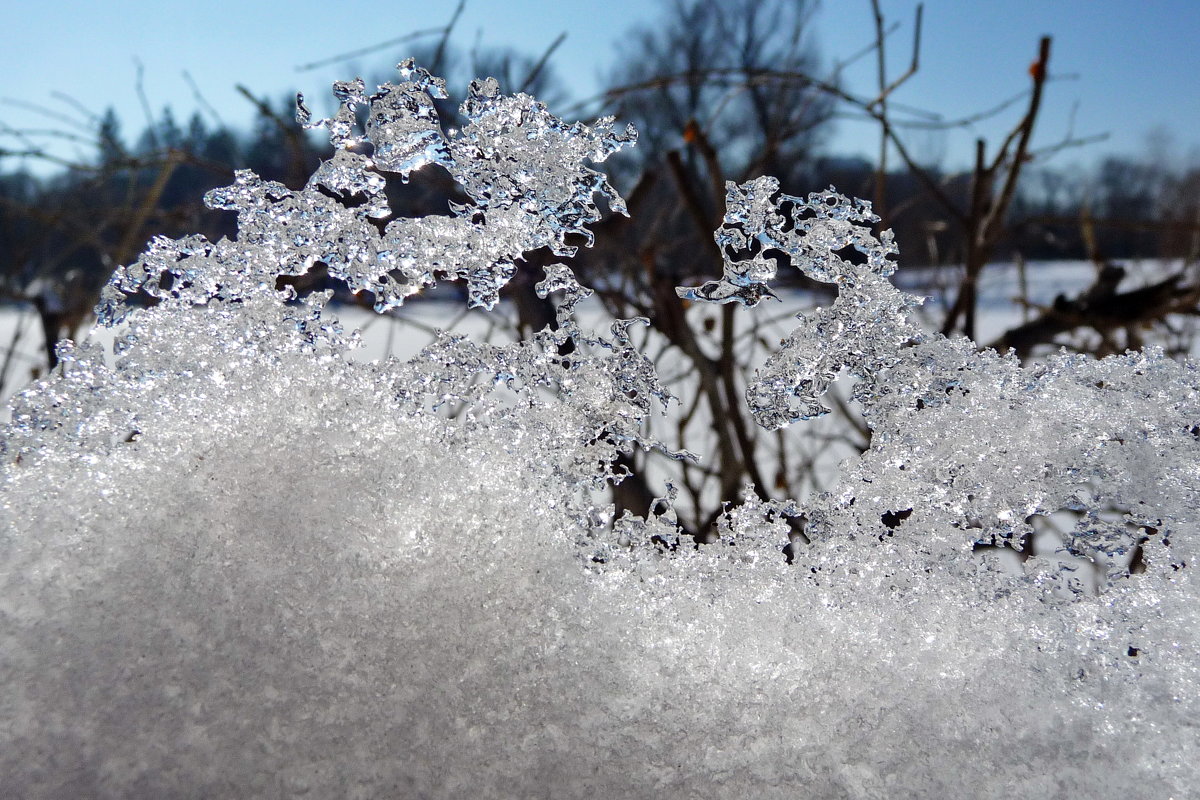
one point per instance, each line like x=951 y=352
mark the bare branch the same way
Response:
x=886 y=89
x=45 y=112
x=201 y=100
x=91 y=116
x=541 y=63
x=364 y=51
x=440 y=52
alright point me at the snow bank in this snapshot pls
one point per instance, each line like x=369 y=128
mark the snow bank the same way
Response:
x=236 y=562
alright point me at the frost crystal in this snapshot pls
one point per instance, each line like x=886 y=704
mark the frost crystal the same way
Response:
x=812 y=233
x=1109 y=443
x=235 y=562
x=864 y=329
x=522 y=169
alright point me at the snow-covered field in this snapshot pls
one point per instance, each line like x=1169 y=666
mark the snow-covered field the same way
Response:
x=405 y=331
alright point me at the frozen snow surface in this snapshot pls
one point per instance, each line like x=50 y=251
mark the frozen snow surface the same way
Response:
x=235 y=562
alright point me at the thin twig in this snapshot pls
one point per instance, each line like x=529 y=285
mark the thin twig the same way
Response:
x=149 y=203
x=140 y=86
x=886 y=89
x=1042 y=153
x=264 y=108
x=540 y=65
x=92 y=116
x=45 y=112
x=363 y=51
x=440 y=52
x=53 y=133
x=201 y=100
x=879 y=105
x=840 y=66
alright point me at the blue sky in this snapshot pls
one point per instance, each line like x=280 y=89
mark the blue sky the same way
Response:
x=1135 y=65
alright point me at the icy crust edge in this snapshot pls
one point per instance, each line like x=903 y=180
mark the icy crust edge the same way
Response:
x=524 y=173
x=522 y=168
x=581 y=409
x=968 y=449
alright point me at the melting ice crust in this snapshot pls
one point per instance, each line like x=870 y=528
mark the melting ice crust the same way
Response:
x=235 y=562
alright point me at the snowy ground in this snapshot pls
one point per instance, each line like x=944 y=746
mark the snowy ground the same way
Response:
x=403 y=333
x=241 y=561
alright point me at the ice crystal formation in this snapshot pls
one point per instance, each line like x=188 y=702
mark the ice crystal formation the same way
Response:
x=521 y=167
x=234 y=562
x=1111 y=442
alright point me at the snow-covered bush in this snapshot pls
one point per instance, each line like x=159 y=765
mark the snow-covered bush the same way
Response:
x=235 y=562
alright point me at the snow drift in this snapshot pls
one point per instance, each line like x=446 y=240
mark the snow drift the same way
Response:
x=235 y=562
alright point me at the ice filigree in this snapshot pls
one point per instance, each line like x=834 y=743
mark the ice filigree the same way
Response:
x=863 y=330
x=524 y=172
x=1104 y=450
x=812 y=232
x=522 y=169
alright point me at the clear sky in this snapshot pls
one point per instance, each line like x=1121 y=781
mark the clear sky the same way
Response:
x=1129 y=68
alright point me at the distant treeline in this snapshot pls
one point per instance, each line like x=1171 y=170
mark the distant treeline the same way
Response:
x=83 y=221
x=1122 y=208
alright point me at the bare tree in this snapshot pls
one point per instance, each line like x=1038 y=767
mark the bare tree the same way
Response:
x=719 y=70
x=718 y=92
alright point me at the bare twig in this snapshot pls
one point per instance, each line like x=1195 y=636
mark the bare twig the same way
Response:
x=129 y=241
x=364 y=51
x=91 y=116
x=51 y=133
x=541 y=63
x=46 y=112
x=841 y=65
x=1067 y=143
x=201 y=100
x=879 y=105
x=265 y=109
x=440 y=52
x=885 y=88
x=984 y=222
x=140 y=86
